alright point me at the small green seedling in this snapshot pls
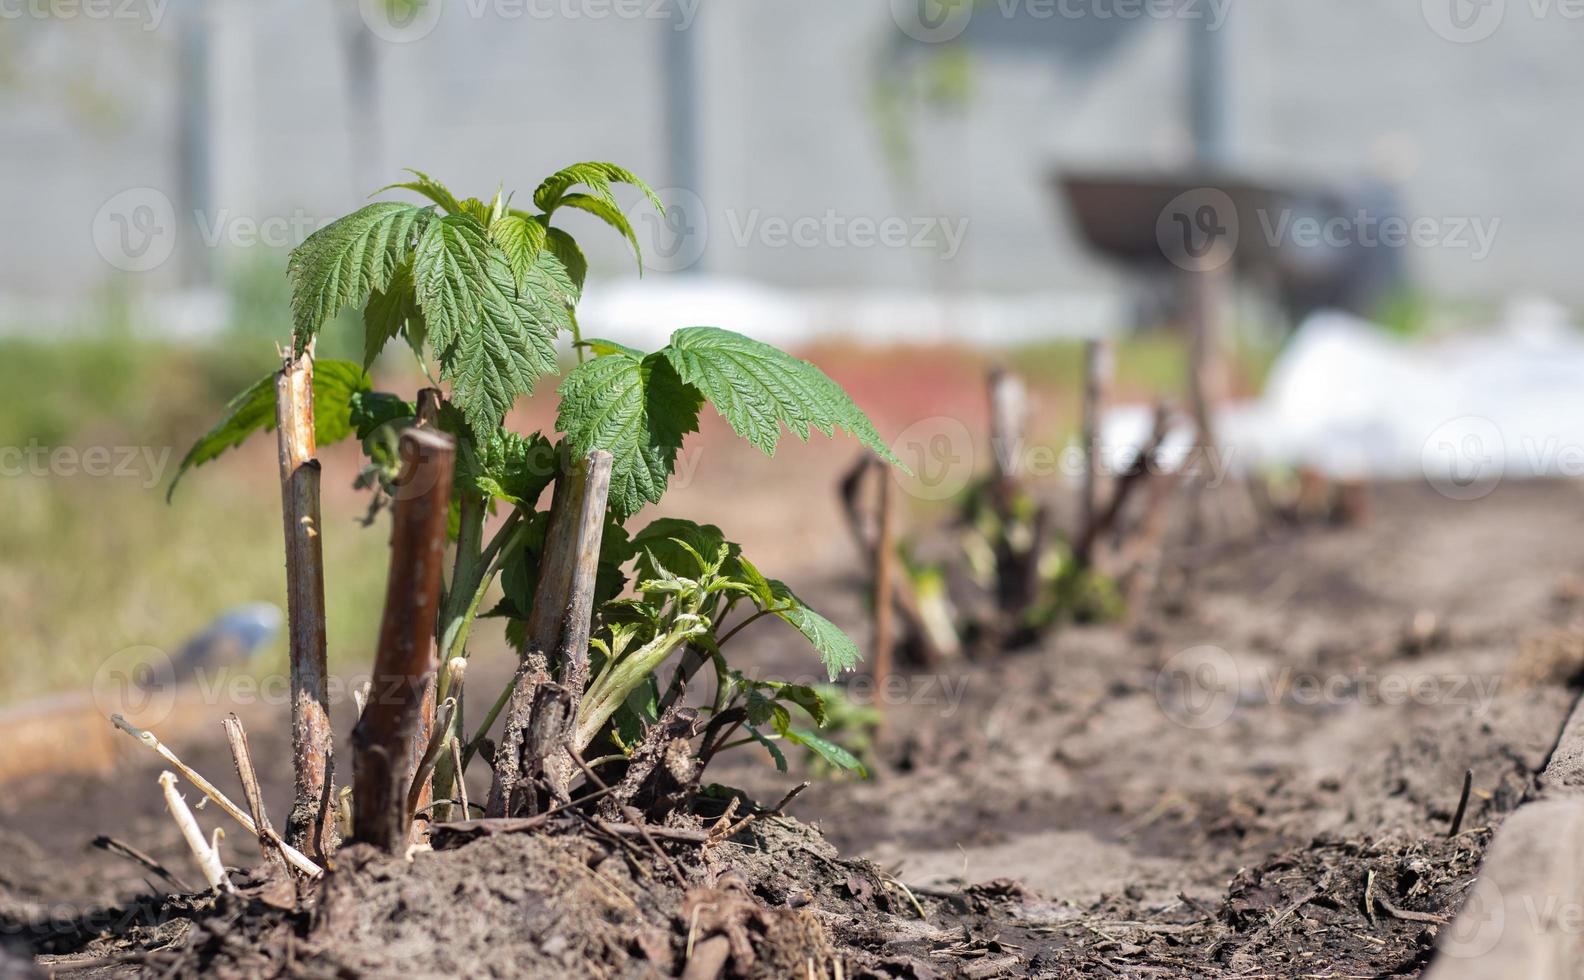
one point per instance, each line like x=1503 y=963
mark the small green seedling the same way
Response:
x=481 y=292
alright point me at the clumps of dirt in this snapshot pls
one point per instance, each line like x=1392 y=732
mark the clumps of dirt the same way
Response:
x=1356 y=907
x=774 y=901
x=777 y=901
x=1318 y=901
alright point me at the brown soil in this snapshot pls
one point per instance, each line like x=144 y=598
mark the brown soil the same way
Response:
x=1257 y=780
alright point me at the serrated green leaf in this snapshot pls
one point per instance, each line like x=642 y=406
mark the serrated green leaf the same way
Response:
x=448 y=273
x=428 y=187
x=513 y=344
x=667 y=540
x=826 y=749
x=597 y=177
x=611 y=214
x=372 y=409
x=341 y=264
x=775 y=750
x=520 y=239
x=492 y=338
x=638 y=411
x=507 y=466
x=758 y=388
x=836 y=649
x=477 y=210
x=564 y=249
x=334 y=385
x=388 y=312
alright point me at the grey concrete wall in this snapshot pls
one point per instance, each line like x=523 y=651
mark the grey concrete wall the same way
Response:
x=787 y=125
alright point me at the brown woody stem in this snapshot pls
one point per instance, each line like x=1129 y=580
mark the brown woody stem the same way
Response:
x=310 y=827
x=382 y=741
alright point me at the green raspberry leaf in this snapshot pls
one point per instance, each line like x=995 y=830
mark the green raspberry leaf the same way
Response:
x=826 y=749
x=508 y=467
x=428 y=187
x=492 y=339
x=637 y=410
x=758 y=388
x=335 y=385
x=449 y=273
x=342 y=263
x=520 y=239
x=389 y=313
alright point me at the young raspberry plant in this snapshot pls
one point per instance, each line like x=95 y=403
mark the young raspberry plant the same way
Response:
x=482 y=292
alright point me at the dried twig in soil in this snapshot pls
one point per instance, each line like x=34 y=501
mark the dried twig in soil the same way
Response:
x=558 y=627
x=1462 y=807
x=294 y=857
x=438 y=735
x=404 y=661
x=269 y=842
x=123 y=849
x=1140 y=470
x=310 y=825
x=885 y=571
x=1098 y=368
x=926 y=648
x=207 y=852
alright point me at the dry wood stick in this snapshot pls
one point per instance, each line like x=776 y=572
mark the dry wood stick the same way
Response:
x=296 y=858
x=931 y=649
x=558 y=623
x=1017 y=574
x=460 y=776
x=1008 y=414
x=207 y=852
x=1462 y=807
x=268 y=841
x=1136 y=473
x=309 y=826
x=1098 y=368
x=1204 y=291
x=122 y=849
x=416 y=793
x=427 y=414
x=454 y=671
x=885 y=569
x=404 y=661
x=428 y=417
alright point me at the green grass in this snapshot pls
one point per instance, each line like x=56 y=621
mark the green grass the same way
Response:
x=92 y=564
